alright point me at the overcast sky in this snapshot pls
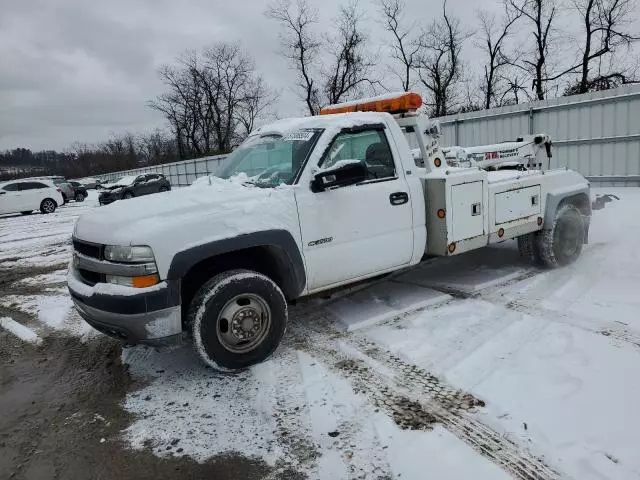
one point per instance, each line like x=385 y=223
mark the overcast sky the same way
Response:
x=78 y=70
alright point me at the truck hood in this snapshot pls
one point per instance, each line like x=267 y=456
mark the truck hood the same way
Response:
x=173 y=221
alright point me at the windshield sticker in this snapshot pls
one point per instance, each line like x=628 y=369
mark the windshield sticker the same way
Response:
x=299 y=135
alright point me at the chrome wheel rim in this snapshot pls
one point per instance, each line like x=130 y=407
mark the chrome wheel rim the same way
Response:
x=243 y=323
x=48 y=206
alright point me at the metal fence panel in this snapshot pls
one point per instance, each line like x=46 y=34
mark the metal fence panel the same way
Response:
x=597 y=134
x=179 y=174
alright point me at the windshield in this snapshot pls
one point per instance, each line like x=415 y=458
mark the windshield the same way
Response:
x=270 y=160
x=124 y=181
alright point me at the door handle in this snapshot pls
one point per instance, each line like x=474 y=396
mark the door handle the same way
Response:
x=399 y=198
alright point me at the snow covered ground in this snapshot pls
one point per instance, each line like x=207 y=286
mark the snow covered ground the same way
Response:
x=499 y=370
x=35 y=251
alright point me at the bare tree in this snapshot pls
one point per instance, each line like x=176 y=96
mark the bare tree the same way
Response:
x=515 y=89
x=182 y=104
x=231 y=75
x=603 y=23
x=350 y=64
x=155 y=148
x=541 y=15
x=257 y=102
x=300 y=46
x=440 y=63
x=492 y=44
x=404 y=48
x=211 y=97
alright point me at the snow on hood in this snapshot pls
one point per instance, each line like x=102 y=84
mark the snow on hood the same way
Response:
x=123 y=182
x=173 y=221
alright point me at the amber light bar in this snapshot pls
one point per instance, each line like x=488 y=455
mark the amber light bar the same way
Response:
x=400 y=103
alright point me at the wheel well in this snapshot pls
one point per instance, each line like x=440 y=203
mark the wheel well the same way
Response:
x=580 y=200
x=269 y=260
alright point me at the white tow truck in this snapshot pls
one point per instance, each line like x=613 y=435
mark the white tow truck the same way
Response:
x=306 y=205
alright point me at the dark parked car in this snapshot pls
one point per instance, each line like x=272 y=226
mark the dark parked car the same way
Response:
x=80 y=191
x=133 y=186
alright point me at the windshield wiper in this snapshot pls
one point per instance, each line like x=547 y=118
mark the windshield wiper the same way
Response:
x=259 y=184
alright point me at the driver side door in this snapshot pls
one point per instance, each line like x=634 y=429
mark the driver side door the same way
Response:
x=141 y=185
x=359 y=230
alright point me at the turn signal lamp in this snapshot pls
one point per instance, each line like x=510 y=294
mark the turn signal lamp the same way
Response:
x=395 y=103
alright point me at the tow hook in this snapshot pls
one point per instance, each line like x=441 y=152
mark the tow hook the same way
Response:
x=601 y=200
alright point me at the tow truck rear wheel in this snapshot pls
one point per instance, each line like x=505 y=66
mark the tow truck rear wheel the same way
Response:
x=237 y=319
x=562 y=244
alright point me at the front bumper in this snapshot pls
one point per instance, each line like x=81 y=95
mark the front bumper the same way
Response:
x=152 y=317
x=107 y=199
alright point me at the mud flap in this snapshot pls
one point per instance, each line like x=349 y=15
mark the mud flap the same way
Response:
x=587 y=222
x=602 y=200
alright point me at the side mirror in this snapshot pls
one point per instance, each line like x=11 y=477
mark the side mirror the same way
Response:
x=343 y=173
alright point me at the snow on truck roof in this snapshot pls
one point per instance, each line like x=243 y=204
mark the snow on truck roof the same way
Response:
x=349 y=114
x=341 y=120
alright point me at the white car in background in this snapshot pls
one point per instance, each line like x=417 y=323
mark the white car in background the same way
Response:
x=27 y=195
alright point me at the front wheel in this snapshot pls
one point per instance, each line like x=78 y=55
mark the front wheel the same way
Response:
x=164 y=189
x=48 y=206
x=79 y=197
x=562 y=244
x=237 y=319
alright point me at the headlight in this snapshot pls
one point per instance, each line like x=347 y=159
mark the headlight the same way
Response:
x=117 y=253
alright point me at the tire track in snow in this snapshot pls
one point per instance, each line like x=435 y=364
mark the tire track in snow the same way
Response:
x=606 y=328
x=414 y=398
x=293 y=434
x=551 y=294
x=454 y=408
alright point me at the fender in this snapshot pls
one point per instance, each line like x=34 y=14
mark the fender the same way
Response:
x=555 y=198
x=289 y=256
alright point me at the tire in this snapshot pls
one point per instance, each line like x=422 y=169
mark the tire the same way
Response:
x=79 y=197
x=164 y=189
x=27 y=212
x=127 y=195
x=48 y=205
x=251 y=300
x=562 y=244
x=528 y=247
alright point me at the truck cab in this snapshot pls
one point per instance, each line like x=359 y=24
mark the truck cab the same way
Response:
x=303 y=206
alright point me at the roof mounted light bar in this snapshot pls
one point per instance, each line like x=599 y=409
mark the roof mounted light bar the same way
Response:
x=401 y=102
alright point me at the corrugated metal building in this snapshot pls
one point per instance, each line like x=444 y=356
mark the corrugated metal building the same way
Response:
x=597 y=134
